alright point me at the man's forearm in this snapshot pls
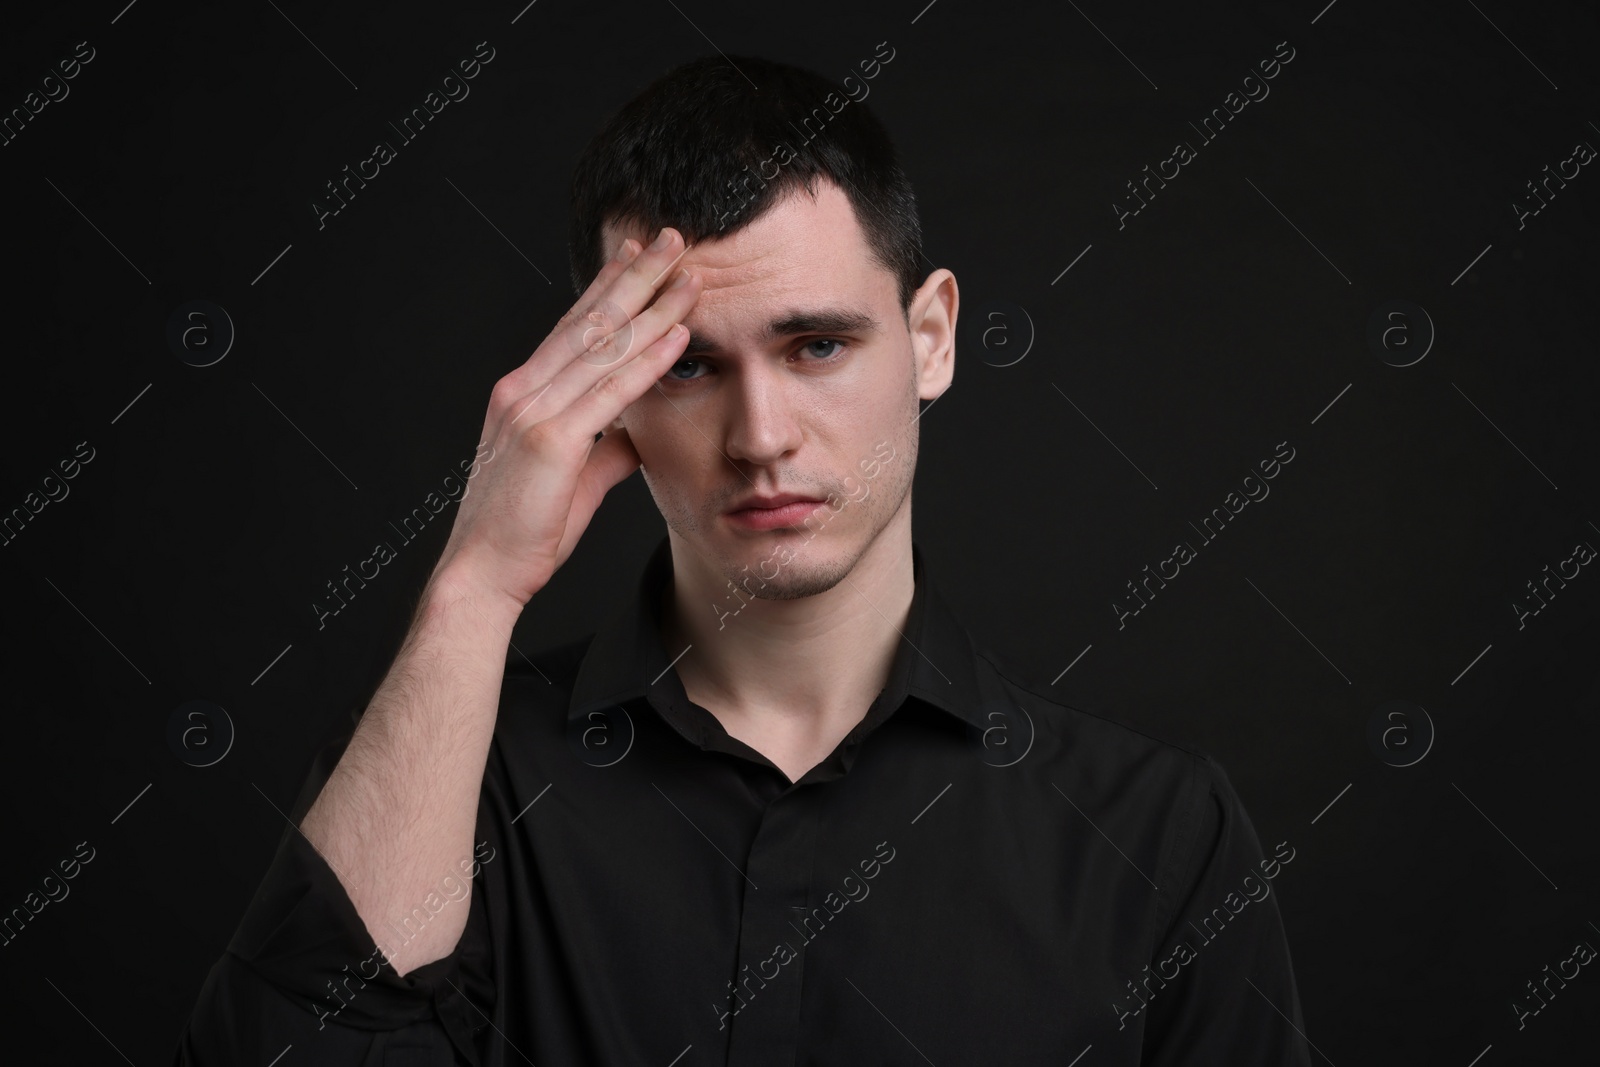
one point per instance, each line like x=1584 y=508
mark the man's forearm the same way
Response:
x=400 y=808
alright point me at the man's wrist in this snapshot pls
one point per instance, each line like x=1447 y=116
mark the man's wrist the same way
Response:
x=454 y=590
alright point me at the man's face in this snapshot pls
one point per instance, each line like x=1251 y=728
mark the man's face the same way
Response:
x=824 y=407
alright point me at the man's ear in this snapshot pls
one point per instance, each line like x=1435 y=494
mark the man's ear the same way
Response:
x=932 y=321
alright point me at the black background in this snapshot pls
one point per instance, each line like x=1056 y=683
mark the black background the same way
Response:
x=1142 y=386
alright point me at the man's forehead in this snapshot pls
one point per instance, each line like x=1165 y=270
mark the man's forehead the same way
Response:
x=799 y=243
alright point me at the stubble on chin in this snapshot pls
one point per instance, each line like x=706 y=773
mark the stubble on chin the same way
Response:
x=802 y=576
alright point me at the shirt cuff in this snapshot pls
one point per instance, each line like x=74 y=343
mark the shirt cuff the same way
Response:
x=303 y=935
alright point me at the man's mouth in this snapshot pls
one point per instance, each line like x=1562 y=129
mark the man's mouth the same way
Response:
x=772 y=512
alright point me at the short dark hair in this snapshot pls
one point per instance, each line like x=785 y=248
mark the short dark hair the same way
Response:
x=692 y=150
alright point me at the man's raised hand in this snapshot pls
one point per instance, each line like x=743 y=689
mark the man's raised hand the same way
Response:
x=549 y=473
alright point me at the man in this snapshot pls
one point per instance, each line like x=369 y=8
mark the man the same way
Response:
x=780 y=810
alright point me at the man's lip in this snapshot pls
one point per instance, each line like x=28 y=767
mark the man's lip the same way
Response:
x=774 y=501
x=782 y=517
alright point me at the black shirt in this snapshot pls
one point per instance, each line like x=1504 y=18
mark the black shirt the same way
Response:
x=978 y=873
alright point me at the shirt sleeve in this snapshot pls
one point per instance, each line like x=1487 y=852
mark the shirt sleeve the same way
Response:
x=303 y=973
x=1221 y=986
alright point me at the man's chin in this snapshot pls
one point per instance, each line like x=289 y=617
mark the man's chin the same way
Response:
x=784 y=565
x=790 y=584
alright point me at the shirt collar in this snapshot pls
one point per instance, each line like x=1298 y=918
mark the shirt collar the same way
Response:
x=934 y=661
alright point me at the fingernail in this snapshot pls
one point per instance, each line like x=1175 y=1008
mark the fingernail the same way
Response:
x=681 y=280
x=624 y=251
x=662 y=241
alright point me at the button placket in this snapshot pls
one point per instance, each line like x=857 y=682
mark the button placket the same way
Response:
x=764 y=1001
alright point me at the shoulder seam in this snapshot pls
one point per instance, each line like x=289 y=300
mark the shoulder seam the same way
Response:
x=1186 y=843
x=1057 y=701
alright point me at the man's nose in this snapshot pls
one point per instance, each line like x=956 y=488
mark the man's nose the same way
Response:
x=762 y=423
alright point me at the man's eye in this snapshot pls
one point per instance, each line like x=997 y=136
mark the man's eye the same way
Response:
x=685 y=370
x=692 y=364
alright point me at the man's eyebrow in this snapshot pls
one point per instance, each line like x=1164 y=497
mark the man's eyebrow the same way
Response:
x=791 y=323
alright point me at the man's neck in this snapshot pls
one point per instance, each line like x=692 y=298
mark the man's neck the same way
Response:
x=794 y=675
